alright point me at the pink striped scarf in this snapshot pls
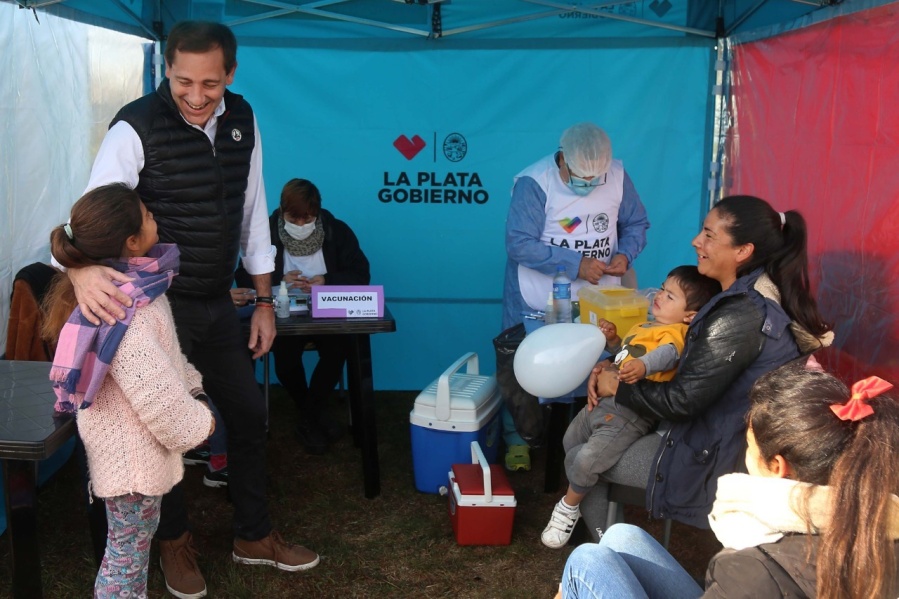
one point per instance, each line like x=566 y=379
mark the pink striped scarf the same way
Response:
x=85 y=350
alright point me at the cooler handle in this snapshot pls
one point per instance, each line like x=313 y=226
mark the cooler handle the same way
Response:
x=477 y=457
x=443 y=391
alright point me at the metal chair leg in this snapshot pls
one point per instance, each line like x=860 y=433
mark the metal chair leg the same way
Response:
x=619 y=495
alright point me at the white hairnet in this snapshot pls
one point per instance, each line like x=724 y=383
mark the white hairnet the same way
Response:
x=587 y=149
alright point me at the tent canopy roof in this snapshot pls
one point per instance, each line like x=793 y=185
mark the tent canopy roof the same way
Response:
x=296 y=22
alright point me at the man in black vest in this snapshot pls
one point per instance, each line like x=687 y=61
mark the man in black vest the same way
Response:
x=192 y=150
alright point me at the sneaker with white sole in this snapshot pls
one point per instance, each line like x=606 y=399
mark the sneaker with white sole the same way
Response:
x=561 y=524
x=274 y=551
x=518 y=457
x=216 y=479
x=198 y=456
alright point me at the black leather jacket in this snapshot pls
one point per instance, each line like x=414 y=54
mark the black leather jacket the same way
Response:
x=734 y=339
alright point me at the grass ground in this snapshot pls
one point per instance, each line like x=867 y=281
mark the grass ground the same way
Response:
x=397 y=545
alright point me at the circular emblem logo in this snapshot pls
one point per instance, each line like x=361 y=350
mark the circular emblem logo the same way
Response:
x=236 y=135
x=601 y=223
x=455 y=147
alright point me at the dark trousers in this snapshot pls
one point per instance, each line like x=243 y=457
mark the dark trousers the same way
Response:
x=210 y=335
x=288 y=352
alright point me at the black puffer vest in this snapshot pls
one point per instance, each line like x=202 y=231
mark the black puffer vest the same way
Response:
x=195 y=191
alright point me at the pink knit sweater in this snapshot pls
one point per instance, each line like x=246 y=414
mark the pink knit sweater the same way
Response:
x=144 y=416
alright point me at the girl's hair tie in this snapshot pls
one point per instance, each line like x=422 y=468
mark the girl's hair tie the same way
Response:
x=783 y=219
x=68 y=229
x=858 y=407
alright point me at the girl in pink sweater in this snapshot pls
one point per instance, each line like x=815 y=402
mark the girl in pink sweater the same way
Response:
x=132 y=390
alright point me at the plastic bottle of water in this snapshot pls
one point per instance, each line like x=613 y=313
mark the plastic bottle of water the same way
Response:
x=562 y=295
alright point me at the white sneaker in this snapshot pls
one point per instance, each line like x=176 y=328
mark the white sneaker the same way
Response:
x=558 y=531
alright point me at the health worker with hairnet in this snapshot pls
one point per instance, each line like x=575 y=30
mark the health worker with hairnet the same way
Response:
x=576 y=208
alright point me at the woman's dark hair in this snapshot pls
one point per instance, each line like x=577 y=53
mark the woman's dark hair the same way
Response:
x=300 y=198
x=780 y=249
x=201 y=36
x=790 y=416
x=101 y=222
x=698 y=288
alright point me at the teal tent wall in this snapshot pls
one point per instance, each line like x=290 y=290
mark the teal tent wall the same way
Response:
x=332 y=95
x=333 y=115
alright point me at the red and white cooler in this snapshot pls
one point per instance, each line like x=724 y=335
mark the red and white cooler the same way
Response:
x=481 y=502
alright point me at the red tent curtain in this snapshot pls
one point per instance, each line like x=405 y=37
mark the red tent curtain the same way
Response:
x=816 y=129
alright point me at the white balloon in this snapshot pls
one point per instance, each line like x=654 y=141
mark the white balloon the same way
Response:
x=555 y=359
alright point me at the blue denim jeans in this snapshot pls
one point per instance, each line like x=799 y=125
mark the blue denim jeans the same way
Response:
x=218 y=442
x=626 y=563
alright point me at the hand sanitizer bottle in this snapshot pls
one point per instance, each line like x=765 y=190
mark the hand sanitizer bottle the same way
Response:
x=549 y=315
x=282 y=305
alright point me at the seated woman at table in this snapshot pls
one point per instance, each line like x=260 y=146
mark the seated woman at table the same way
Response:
x=764 y=317
x=313 y=248
x=817 y=515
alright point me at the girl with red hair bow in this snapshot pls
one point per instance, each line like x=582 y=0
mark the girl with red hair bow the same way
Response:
x=817 y=515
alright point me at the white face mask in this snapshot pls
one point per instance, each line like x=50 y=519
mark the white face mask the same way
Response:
x=299 y=232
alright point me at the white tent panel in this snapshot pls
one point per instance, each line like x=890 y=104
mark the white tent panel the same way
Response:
x=56 y=99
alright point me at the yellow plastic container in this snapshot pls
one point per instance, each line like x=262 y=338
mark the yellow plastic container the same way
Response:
x=625 y=307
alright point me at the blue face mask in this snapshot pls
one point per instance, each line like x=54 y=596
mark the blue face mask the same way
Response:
x=579 y=186
x=582 y=186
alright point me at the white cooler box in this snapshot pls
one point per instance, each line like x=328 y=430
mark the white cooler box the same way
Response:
x=449 y=414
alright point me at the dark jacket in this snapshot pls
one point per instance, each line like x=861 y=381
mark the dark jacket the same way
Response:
x=733 y=340
x=23 y=335
x=344 y=259
x=194 y=190
x=781 y=569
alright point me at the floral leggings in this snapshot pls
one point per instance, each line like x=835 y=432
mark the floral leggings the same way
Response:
x=132 y=520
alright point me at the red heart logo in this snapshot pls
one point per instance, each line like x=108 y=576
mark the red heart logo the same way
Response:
x=409 y=148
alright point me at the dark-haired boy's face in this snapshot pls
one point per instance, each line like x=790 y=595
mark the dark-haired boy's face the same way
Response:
x=669 y=306
x=198 y=81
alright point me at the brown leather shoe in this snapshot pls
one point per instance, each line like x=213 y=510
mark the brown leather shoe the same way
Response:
x=274 y=551
x=178 y=560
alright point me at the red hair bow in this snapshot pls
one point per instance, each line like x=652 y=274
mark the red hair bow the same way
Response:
x=857 y=407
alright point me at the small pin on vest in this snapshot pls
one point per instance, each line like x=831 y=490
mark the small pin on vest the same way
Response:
x=236 y=135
